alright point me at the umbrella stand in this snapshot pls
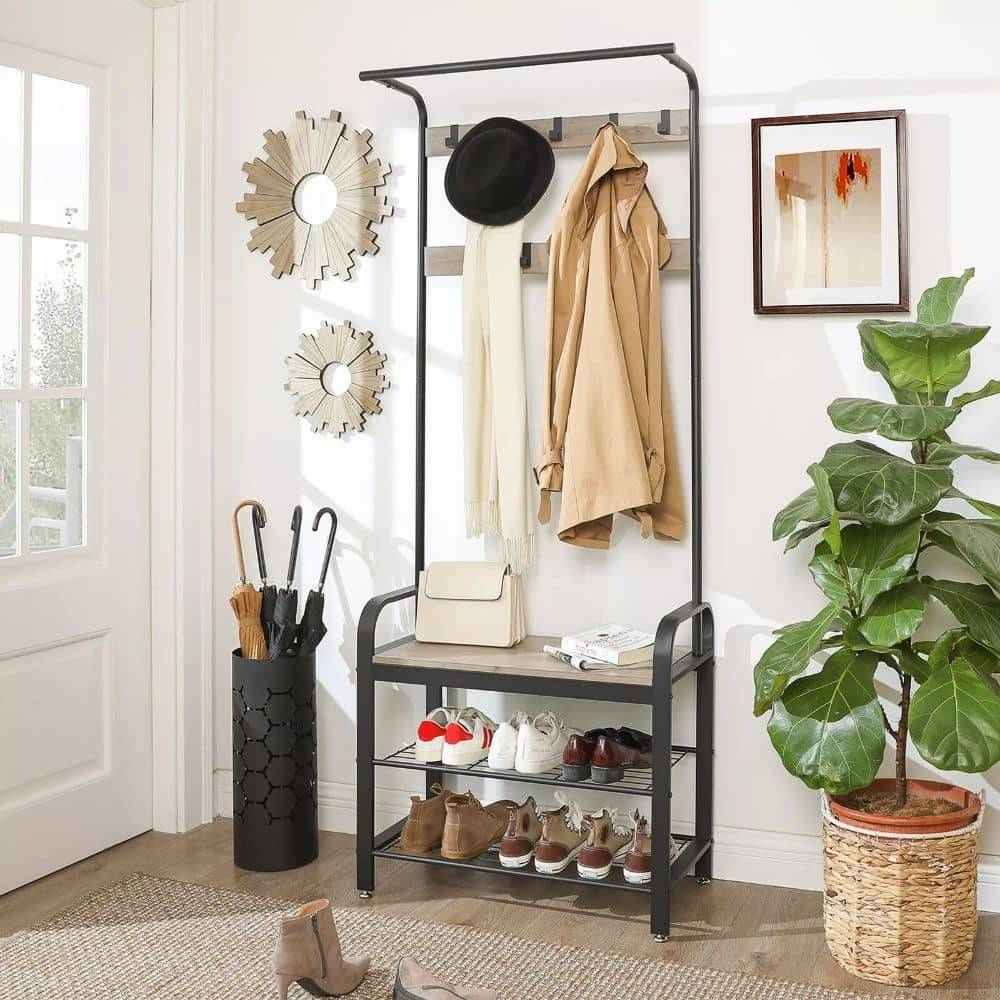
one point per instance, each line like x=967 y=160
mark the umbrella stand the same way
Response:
x=311 y=629
x=286 y=607
x=245 y=600
x=268 y=592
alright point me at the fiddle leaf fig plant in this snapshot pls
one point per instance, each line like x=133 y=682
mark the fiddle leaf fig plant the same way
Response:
x=876 y=513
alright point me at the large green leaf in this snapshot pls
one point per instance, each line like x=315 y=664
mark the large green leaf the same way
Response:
x=992 y=388
x=876 y=364
x=824 y=499
x=895 y=615
x=937 y=304
x=974 y=605
x=924 y=359
x=804 y=507
x=898 y=422
x=870 y=484
x=789 y=655
x=797 y=537
x=976 y=540
x=991 y=510
x=911 y=663
x=983 y=659
x=873 y=559
x=828 y=727
x=945 y=452
x=955 y=718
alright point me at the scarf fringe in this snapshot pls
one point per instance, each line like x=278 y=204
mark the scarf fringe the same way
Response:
x=482 y=517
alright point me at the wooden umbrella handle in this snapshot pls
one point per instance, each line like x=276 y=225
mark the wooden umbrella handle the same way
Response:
x=237 y=541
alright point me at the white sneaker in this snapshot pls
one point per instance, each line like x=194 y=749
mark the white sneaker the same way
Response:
x=540 y=743
x=430 y=734
x=503 y=749
x=467 y=739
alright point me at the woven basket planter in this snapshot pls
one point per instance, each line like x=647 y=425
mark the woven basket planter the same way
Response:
x=898 y=908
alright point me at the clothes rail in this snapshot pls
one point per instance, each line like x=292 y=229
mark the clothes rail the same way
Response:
x=519 y=670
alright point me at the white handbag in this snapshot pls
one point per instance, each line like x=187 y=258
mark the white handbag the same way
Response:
x=470 y=604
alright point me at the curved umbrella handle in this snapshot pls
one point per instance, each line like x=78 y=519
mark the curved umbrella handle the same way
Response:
x=294 y=554
x=240 y=565
x=329 y=541
x=259 y=519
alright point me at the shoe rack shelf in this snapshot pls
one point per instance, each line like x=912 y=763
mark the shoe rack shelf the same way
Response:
x=524 y=669
x=636 y=781
x=490 y=862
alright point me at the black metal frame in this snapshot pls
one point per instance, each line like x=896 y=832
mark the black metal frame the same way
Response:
x=696 y=851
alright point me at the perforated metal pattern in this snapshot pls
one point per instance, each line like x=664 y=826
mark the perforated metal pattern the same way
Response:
x=274 y=754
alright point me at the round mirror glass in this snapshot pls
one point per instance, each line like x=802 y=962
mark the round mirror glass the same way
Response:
x=314 y=198
x=336 y=378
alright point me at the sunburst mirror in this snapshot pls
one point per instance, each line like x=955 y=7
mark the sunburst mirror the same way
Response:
x=315 y=198
x=337 y=378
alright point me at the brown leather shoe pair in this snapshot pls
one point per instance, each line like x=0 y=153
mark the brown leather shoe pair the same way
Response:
x=459 y=824
x=603 y=754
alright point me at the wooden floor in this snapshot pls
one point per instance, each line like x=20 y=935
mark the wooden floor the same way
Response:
x=727 y=925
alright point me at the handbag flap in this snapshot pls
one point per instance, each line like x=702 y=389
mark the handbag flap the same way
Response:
x=464 y=581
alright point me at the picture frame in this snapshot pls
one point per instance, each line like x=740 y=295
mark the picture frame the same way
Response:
x=830 y=228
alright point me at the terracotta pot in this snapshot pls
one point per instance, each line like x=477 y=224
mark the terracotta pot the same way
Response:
x=911 y=824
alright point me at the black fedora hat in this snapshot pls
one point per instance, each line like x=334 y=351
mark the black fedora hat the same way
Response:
x=498 y=171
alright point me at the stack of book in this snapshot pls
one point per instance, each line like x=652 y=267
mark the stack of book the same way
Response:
x=616 y=645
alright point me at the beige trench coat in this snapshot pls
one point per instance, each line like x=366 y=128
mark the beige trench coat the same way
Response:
x=607 y=437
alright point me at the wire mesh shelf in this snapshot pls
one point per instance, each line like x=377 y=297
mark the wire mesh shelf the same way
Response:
x=635 y=781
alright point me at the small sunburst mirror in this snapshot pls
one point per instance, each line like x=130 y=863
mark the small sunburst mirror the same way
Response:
x=337 y=378
x=316 y=198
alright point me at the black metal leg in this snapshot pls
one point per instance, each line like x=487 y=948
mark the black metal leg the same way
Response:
x=704 y=741
x=432 y=701
x=366 y=778
x=659 y=908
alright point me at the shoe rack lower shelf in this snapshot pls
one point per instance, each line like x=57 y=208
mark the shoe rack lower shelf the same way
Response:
x=636 y=781
x=690 y=851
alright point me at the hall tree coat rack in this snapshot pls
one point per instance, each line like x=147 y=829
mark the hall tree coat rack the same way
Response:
x=525 y=669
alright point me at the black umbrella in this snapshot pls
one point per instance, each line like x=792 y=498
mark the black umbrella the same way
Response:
x=268 y=591
x=286 y=607
x=311 y=628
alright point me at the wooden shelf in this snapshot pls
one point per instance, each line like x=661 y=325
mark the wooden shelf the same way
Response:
x=447 y=260
x=639 y=127
x=526 y=659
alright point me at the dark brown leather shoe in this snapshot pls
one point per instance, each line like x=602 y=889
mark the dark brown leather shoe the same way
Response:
x=612 y=754
x=578 y=753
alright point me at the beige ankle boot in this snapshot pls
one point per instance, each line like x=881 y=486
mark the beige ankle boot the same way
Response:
x=308 y=953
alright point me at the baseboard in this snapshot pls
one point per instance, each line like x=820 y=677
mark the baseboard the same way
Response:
x=791 y=860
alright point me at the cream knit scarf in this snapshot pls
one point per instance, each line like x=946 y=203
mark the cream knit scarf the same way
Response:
x=494 y=404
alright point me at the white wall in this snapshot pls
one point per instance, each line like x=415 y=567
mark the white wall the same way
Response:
x=767 y=380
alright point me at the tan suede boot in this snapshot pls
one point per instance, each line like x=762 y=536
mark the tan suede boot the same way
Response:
x=470 y=828
x=425 y=825
x=308 y=953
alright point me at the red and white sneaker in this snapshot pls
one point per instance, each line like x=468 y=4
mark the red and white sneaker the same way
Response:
x=430 y=734
x=467 y=740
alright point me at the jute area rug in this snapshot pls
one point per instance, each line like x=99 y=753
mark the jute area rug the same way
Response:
x=150 y=937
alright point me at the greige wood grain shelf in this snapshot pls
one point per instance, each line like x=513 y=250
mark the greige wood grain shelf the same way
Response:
x=447 y=260
x=525 y=660
x=578 y=131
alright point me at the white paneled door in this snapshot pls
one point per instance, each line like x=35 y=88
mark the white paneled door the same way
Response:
x=75 y=150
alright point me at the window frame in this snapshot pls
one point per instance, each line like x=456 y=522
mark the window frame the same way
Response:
x=94 y=237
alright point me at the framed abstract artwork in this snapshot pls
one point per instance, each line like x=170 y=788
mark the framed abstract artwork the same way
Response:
x=829 y=213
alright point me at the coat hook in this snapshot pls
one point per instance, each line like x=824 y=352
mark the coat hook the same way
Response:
x=525 y=256
x=663 y=126
x=451 y=140
x=556 y=132
x=613 y=117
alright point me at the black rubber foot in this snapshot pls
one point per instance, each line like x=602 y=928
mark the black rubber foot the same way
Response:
x=365 y=893
x=661 y=938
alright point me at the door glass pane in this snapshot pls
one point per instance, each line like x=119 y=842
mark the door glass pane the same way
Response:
x=58 y=311
x=11 y=107
x=60 y=137
x=55 y=473
x=8 y=478
x=10 y=307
